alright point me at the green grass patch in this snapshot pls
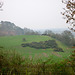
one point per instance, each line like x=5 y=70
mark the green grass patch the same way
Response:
x=14 y=43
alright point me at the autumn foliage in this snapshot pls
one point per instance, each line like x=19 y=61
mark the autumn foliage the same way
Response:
x=69 y=13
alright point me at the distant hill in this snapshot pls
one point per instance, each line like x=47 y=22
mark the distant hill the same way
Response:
x=8 y=28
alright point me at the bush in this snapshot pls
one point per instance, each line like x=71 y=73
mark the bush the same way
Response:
x=24 y=39
x=41 y=45
x=1 y=47
x=58 y=50
x=10 y=63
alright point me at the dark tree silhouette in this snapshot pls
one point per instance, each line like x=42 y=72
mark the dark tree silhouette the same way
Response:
x=69 y=13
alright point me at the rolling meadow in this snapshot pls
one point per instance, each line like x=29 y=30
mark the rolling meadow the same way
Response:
x=13 y=43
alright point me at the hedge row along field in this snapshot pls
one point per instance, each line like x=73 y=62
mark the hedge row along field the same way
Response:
x=41 y=44
x=44 y=45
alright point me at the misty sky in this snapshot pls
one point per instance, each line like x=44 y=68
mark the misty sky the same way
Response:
x=34 y=14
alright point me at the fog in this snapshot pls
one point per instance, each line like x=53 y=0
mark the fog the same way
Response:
x=34 y=14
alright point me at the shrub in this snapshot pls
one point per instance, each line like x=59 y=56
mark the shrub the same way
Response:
x=58 y=50
x=10 y=63
x=41 y=45
x=24 y=39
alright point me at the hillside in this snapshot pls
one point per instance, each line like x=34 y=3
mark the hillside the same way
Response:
x=11 y=43
x=8 y=28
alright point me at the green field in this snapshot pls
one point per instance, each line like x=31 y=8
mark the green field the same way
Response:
x=12 y=43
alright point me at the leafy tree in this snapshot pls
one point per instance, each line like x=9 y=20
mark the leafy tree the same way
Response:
x=65 y=37
x=68 y=38
x=48 y=32
x=30 y=32
x=69 y=13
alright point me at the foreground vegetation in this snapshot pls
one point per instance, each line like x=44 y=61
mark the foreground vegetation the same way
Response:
x=11 y=63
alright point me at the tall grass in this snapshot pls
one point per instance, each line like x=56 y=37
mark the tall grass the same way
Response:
x=12 y=63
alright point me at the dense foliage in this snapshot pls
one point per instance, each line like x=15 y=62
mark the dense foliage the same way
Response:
x=11 y=63
x=58 y=50
x=8 y=28
x=65 y=37
x=42 y=44
x=69 y=13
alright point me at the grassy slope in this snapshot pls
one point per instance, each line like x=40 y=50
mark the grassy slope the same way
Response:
x=14 y=43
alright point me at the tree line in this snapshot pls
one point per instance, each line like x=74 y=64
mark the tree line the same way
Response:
x=65 y=37
x=8 y=28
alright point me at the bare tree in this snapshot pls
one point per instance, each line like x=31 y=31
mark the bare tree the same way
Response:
x=69 y=13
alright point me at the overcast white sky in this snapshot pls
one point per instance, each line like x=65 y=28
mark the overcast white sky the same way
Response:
x=34 y=14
